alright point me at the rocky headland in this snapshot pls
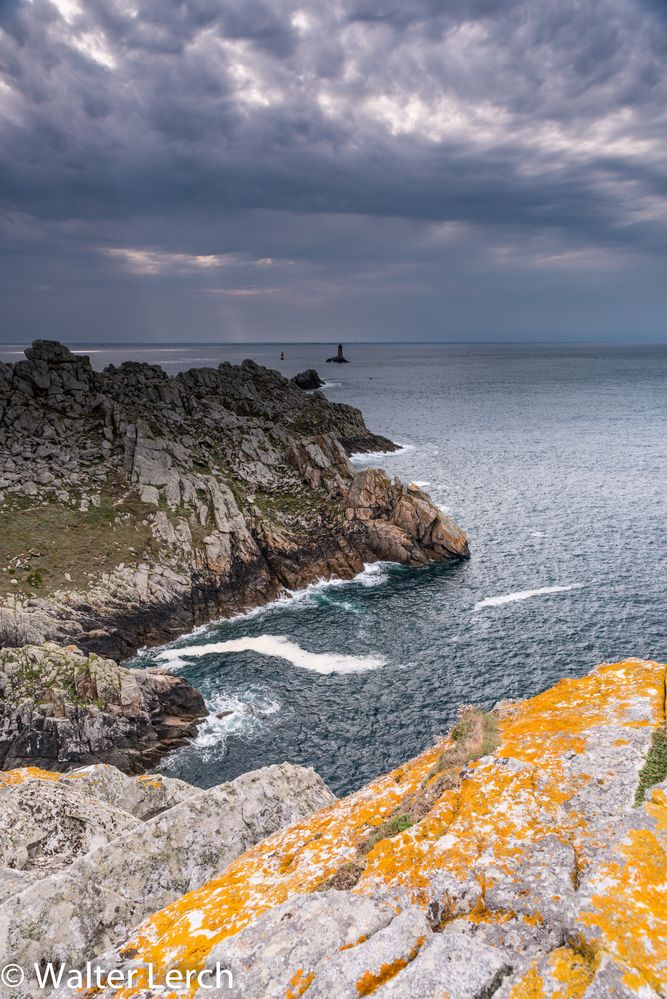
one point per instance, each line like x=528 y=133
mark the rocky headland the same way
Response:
x=135 y=506
x=522 y=857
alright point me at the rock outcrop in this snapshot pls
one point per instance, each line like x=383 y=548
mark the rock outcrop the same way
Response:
x=60 y=708
x=308 y=380
x=134 y=506
x=94 y=851
x=535 y=870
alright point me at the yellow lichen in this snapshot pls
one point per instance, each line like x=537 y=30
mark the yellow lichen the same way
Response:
x=501 y=806
x=530 y=986
x=300 y=982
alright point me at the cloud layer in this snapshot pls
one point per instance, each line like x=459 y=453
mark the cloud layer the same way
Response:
x=239 y=169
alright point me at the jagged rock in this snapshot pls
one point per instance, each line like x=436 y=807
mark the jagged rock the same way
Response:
x=201 y=495
x=45 y=825
x=60 y=708
x=308 y=380
x=92 y=903
x=532 y=871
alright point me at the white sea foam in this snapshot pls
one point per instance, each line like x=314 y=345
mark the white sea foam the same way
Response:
x=278 y=647
x=364 y=456
x=510 y=598
x=241 y=716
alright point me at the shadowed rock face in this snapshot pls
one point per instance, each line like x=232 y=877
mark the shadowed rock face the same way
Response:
x=535 y=871
x=60 y=708
x=134 y=506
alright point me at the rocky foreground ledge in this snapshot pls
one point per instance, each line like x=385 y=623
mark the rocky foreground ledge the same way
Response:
x=522 y=857
x=134 y=506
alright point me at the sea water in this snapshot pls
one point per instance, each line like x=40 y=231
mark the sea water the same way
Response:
x=553 y=458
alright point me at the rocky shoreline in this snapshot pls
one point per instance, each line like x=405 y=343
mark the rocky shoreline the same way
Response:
x=135 y=506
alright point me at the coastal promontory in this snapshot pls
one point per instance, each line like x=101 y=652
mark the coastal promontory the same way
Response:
x=135 y=506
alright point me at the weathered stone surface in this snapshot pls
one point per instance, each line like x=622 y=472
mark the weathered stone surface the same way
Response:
x=45 y=825
x=160 y=503
x=531 y=872
x=94 y=901
x=60 y=708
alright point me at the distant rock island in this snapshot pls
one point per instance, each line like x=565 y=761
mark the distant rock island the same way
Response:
x=134 y=505
x=338 y=357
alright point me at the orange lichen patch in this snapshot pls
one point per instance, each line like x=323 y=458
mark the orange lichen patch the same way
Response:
x=628 y=915
x=371 y=981
x=573 y=971
x=150 y=779
x=300 y=982
x=477 y=830
x=182 y=934
x=10 y=777
x=531 y=986
x=362 y=939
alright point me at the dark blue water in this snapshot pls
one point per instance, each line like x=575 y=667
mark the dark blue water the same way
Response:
x=553 y=459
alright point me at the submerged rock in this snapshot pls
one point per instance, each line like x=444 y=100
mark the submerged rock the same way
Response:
x=60 y=708
x=535 y=870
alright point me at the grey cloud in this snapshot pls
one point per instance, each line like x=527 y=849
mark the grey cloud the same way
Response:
x=486 y=140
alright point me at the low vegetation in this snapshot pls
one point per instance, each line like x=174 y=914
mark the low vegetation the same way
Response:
x=655 y=767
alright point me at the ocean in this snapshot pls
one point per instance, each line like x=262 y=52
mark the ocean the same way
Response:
x=553 y=458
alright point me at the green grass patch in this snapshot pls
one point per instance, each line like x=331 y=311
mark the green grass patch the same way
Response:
x=394 y=825
x=655 y=767
x=73 y=548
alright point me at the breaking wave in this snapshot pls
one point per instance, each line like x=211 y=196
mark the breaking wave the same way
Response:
x=510 y=598
x=277 y=647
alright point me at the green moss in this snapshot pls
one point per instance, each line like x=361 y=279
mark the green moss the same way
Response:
x=655 y=766
x=394 y=825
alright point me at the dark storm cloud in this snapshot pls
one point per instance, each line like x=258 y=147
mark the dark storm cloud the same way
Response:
x=376 y=165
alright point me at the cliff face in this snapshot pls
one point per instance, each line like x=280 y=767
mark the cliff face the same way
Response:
x=134 y=506
x=535 y=870
x=60 y=709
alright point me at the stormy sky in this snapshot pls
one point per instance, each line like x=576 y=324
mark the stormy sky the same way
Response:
x=324 y=169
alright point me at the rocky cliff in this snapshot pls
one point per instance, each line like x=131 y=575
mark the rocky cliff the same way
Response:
x=60 y=708
x=134 y=506
x=523 y=857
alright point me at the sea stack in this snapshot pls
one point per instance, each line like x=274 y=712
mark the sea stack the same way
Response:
x=338 y=359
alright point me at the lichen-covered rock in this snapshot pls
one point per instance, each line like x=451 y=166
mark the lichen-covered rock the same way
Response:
x=60 y=708
x=46 y=825
x=535 y=871
x=114 y=881
x=135 y=506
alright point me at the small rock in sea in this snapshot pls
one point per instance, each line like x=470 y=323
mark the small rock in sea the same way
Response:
x=223 y=714
x=308 y=380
